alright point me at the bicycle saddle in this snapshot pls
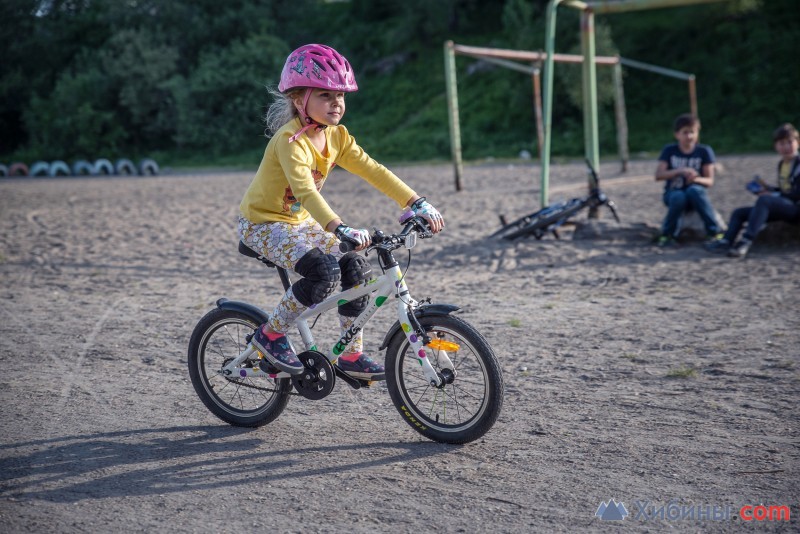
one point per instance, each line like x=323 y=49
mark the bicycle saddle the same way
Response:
x=250 y=253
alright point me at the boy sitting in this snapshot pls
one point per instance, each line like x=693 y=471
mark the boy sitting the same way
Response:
x=687 y=168
x=781 y=203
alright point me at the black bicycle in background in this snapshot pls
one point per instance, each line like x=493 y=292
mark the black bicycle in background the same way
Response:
x=550 y=218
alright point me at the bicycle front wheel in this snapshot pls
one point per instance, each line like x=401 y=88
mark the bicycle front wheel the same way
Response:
x=219 y=337
x=513 y=228
x=462 y=410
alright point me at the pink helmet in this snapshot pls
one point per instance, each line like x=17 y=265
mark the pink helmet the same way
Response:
x=317 y=66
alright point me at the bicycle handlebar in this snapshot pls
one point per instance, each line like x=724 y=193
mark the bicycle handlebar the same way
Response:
x=393 y=241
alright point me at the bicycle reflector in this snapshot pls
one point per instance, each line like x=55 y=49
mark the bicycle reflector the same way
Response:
x=441 y=344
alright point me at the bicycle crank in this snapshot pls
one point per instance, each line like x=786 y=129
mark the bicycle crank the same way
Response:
x=318 y=378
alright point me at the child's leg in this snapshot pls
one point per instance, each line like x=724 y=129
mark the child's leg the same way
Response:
x=697 y=197
x=354 y=361
x=738 y=218
x=285 y=313
x=292 y=247
x=675 y=201
x=356 y=345
x=285 y=245
x=356 y=270
x=768 y=208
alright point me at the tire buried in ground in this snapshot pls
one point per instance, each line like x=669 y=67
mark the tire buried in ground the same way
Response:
x=40 y=168
x=124 y=167
x=103 y=167
x=148 y=167
x=83 y=168
x=59 y=168
x=18 y=169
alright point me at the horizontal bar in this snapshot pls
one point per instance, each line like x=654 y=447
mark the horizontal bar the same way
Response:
x=603 y=7
x=511 y=65
x=523 y=55
x=659 y=70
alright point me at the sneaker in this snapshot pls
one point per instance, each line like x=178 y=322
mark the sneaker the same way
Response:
x=363 y=367
x=277 y=353
x=710 y=238
x=665 y=241
x=740 y=249
x=719 y=246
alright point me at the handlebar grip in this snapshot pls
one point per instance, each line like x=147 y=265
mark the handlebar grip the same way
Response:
x=346 y=246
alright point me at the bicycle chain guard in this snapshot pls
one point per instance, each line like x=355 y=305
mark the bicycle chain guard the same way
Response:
x=318 y=378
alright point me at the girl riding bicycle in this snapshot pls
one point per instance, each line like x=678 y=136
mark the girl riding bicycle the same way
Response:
x=285 y=218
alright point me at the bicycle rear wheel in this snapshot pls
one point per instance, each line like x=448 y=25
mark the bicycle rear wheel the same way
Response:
x=461 y=411
x=219 y=337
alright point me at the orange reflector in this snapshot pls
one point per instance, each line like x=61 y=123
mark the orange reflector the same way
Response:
x=441 y=344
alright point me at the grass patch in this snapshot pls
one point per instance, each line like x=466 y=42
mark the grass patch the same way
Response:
x=633 y=357
x=682 y=372
x=516 y=323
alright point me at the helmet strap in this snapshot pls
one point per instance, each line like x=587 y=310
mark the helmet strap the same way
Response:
x=310 y=123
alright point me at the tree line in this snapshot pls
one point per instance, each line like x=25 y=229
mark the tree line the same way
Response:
x=182 y=77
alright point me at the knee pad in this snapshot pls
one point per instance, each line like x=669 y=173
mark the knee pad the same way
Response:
x=320 y=274
x=355 y=270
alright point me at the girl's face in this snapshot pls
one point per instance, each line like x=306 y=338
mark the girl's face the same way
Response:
x=787 y=148
x=325 y=106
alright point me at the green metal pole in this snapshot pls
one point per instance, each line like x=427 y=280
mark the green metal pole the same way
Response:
x=550 y=45
x=452 y=108
x=590 y=128
x=589 y=87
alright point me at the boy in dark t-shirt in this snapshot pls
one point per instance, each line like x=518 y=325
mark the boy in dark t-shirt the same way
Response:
x=687 y=168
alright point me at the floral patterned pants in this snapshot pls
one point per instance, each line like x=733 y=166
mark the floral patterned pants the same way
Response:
x=284 y=244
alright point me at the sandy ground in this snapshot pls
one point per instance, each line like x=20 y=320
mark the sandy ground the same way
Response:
x=655 y=377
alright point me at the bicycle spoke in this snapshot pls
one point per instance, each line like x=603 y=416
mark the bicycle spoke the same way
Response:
x=460 y=403
x=433 y=406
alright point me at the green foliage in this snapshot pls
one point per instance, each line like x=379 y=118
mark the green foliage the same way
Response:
x=76 y=118
x=186 y=78
x=571 y=75
x=222 y=102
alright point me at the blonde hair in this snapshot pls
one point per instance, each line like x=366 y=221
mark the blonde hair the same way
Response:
x=281 y=111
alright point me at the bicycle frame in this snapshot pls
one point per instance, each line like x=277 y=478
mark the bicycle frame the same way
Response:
x=391 y=282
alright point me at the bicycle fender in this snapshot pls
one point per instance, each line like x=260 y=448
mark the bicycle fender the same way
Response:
x=421 y=311
x=254 y=312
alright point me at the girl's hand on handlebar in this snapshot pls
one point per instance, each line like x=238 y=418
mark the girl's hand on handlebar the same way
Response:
x=424 y=209
x=359 y=237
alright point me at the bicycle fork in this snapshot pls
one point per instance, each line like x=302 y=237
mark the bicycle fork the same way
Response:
x=418 y=338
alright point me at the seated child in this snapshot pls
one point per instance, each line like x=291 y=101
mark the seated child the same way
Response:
x=687 y=168
x=781 y=203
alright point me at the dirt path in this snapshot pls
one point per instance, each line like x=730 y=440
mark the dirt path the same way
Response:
x=655 y=377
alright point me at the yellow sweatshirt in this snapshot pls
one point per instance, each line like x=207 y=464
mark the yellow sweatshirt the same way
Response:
x=287 y=185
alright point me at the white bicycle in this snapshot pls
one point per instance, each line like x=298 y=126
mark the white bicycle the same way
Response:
x=441 y=374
